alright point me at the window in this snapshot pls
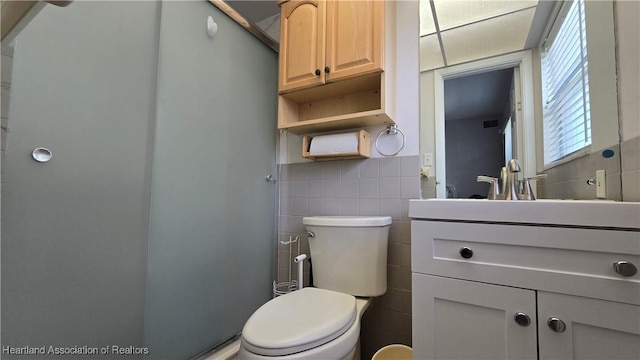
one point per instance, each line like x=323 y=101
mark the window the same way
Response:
x=565 y=85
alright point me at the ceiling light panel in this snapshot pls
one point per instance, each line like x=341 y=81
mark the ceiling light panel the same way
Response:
x=430 y=54
x=453 y=13
x=488 y=38
x=427 y=26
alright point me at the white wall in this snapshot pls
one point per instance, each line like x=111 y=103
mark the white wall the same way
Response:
x=407 y=85
x=427 y=116
x=628 y=55
x=602 y=74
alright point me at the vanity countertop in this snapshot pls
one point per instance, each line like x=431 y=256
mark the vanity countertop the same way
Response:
x=582 y=213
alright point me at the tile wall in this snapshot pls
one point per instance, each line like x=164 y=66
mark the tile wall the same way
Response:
x=630 y=153
x=358 y=187
x=569 y=180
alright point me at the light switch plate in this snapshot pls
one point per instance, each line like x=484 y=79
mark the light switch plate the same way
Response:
x=601 y=185
x=427 y=159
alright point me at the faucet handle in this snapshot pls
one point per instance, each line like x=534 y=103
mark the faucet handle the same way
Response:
x=494 y=188
x=482 y=178
x=536 y=177
x=527 y=192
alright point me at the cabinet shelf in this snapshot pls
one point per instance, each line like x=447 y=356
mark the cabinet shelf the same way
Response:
x=353 y=103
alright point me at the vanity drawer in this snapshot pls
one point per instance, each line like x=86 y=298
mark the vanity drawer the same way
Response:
x=566 y=260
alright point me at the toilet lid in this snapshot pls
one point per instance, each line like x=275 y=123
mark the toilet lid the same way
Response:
x=298 y=321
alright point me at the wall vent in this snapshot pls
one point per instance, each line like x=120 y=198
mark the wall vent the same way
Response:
x=490 y=123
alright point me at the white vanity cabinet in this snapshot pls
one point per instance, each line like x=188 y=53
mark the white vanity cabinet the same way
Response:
x=459 y=319
x=490 y=289
x=594 y=329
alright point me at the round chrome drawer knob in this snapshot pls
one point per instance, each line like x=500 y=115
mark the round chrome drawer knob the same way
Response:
x=625 y=268
x=522 y=319
x=556 y=325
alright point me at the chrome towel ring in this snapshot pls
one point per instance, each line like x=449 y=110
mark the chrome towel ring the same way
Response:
x=391 y=130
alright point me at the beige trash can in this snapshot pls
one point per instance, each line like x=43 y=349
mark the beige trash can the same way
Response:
x=393 y=352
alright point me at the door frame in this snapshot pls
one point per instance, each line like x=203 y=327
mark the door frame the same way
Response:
x=526 y=132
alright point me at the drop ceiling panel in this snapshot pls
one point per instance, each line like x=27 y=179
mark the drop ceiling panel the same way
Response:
x=430 y=54
x=483 y=39
x=427 y=26
x=453 y=13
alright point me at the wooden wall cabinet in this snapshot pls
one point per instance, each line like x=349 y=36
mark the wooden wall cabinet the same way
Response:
x=302 y=42
x=336 y=64
x=324 y=41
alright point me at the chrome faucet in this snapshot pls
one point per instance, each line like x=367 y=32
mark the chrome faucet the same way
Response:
x=510 y=189
x=506 y=188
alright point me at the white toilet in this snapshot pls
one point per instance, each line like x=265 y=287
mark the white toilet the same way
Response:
x=349 y=255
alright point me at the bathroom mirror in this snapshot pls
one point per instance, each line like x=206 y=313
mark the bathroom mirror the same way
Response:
x=481 y=102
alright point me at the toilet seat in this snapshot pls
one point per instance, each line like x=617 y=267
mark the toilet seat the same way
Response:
x=299 y=321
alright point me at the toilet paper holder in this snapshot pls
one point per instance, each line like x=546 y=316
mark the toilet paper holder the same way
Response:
x=363 y=149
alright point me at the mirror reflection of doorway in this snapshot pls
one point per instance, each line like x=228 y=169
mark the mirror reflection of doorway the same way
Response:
x=480 y=134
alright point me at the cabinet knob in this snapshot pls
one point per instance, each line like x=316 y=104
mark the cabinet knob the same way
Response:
x=466 y=252
x=625 y=268
x=556 y=324
x=522 y=319
x=318 y=72
x=327 y=69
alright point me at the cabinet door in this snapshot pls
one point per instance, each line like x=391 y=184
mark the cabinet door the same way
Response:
x=302 y=43
x=458 y=319
x=355 y=38
x=594 y=329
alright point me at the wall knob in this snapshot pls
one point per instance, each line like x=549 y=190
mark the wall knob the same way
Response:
x=466 y=252
x=625 y=268
x=42 y=154
x=522 y=319
x=556 y=324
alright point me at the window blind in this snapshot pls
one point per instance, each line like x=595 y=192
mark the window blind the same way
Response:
x=566 y=111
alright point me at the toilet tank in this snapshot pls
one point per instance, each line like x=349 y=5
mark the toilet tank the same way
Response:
x=349 y=253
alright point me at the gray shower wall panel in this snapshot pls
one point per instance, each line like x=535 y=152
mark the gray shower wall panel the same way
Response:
x=75 y=229
x=88 y=237
x=213 y=214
